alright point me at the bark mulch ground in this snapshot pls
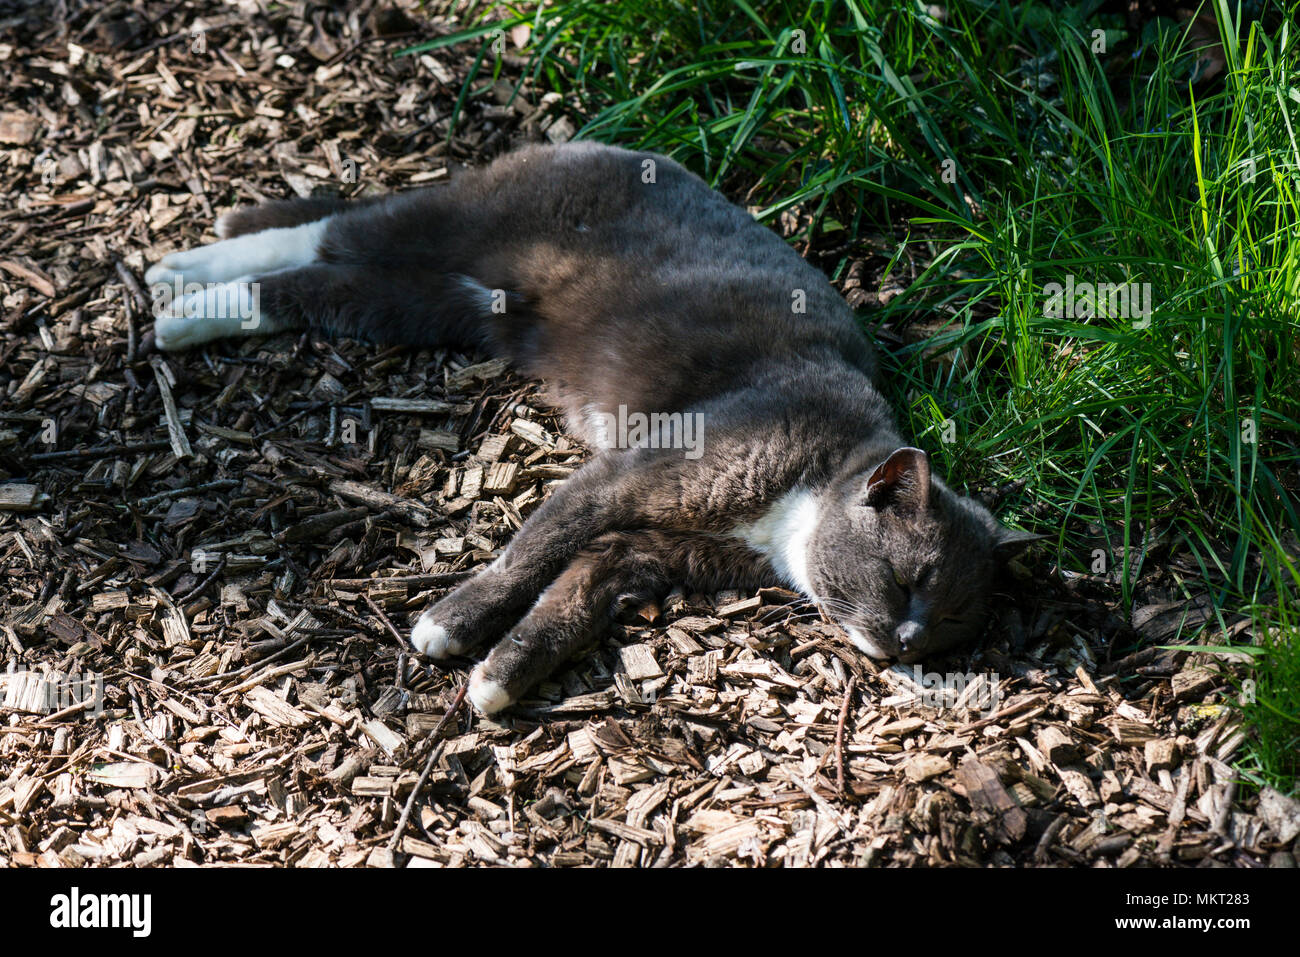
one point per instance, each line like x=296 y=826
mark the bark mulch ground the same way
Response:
x=231 y=542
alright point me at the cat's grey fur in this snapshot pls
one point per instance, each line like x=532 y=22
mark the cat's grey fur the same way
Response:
x=620 y=279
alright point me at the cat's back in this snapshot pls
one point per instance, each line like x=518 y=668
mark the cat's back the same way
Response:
x=631 y=244
x=594 y=198
x=642 y=284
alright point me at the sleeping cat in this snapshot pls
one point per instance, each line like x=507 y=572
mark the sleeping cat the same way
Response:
x=625 y=283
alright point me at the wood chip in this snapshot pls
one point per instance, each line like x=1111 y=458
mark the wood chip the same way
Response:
x=275 y=709
x=638 y=662
x=985 y=791
x=1162 y=755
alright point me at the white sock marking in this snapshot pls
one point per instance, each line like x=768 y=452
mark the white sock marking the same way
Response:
x=432 y=639
x=267 y=251
x=213 y=311
x=486 y=695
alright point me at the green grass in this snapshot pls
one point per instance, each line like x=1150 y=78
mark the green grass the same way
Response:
x=1001 y=152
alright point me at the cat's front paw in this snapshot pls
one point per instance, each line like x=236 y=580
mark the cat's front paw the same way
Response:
x=479 y=609
x=430 y=638
x=486 y=693
x=525 y=657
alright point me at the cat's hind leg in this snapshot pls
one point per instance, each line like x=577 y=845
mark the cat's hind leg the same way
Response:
x=358 y=302
x=250 y=254
x=293 y=227
x=216 y=310
x=283 y=213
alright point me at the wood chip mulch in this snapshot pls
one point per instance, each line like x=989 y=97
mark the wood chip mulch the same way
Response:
x=226 y=545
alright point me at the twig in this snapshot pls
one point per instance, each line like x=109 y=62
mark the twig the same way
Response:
x=1049 y=837
x=133 y=286
x=822 y=804
x=208 y=580
x=261 y=662
x=100 y=451
x=839 y=733
x=265 y=675
x=428 y=767
x=180 y=445
x=216 y=486
x=1015 y=707
x=401 y=642
x=343 y=613
x=135 y=302
x=314 y=407
x=69 y=711
x=420 y=581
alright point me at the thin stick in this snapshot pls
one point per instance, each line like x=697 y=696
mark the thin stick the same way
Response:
x=132 y=285
x=428 y=767
x=197 y=589
x=67 y=712
x=434 y=580
x=100 y=452
x=255 y=665
x=343 y=613
x=839 y=733
x=217 y=486
x=315 y=406
x=133 y=301
x=821 y=803
x=180 y=444
x=401 y=642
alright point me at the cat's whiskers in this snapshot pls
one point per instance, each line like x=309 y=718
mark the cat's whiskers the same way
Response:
x=839 y=605
x=769 y=609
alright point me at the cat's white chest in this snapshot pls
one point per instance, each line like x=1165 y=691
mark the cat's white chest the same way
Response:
x=782 y=535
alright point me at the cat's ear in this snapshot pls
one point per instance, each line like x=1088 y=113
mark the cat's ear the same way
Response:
x=1009 y=542
x=902 y=482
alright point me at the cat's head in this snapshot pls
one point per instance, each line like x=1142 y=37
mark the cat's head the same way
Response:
x=902 y=563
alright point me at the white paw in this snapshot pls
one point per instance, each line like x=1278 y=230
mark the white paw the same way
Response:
x=486 y=695
x=172 y=333
x=432 y=640
x=267 y=251
x=212 y=311
x=160 y=273
x=211 y=263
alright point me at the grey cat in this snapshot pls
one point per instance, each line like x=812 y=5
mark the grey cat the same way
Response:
x=625 y=283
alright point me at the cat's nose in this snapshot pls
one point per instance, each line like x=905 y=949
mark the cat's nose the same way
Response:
x=908 y=633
